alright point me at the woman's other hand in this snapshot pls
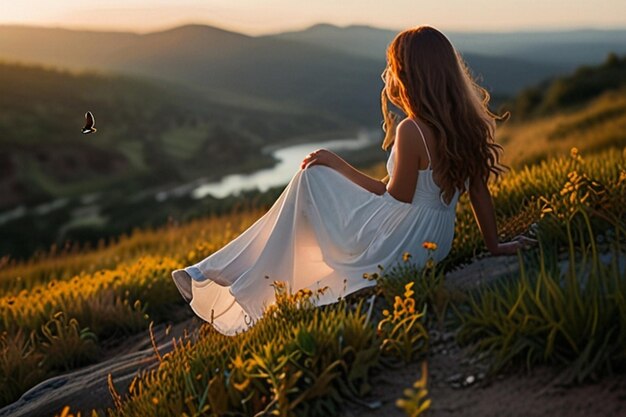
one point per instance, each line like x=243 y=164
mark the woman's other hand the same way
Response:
x=518 y=243
x=322 y=157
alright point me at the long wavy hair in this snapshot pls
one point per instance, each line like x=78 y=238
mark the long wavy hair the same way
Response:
x=426 y=78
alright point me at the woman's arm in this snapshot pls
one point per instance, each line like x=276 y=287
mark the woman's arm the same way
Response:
x=332 y=160
x=484 y=212
x=409 y=151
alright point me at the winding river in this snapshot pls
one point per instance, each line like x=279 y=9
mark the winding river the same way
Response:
x=288 y=163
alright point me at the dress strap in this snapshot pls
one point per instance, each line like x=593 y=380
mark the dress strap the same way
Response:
x=423 y=139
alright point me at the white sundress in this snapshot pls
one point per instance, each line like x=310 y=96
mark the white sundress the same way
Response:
x=322 y=231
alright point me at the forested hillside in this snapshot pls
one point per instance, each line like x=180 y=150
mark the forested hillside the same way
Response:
x=149 y=133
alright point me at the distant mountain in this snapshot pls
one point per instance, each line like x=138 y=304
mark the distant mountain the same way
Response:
x=502 y=75
x=563 y=50
x=324 y=68
x=361 y=40
x=568 y=48
x=215 y=61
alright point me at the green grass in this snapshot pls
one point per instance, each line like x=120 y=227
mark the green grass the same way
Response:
x=298 y=360
x=598 y=125
x=182 y=142
x=133 y=151
x=570 y=314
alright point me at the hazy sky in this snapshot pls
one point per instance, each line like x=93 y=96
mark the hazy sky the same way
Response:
x=265 y=16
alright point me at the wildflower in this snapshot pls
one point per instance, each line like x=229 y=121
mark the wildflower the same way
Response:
x=155 y=400
x=406 y=256
x=431 y=246
x=409 y=305
x=575 y=154
x=408 y=292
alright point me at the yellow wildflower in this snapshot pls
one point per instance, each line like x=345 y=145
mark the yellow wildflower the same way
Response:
x=408 y=292
x=431 y=246
x=575 y=154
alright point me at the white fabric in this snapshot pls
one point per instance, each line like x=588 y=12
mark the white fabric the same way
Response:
x=323 y=230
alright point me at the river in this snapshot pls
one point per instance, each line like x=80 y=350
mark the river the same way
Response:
x=288 y=163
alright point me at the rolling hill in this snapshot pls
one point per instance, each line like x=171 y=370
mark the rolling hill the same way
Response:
x=323 y=68
x=585 y=110
x=571 y=90
x=149 y=134
x=216 y=62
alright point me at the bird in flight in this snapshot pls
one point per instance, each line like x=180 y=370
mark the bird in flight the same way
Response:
x=90 y=122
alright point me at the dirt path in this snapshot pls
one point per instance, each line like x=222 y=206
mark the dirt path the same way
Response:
x=506 y=395
x=536 y=394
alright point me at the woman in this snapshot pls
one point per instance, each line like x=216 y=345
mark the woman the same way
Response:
x=333 y=223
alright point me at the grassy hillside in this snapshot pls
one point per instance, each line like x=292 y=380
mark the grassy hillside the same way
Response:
x=58 y=311
x=585 y=109
x=570 y=91
x=599 y=125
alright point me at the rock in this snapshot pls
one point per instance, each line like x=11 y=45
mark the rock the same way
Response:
x=86 y=388
x=454 y=378
x=482 y=271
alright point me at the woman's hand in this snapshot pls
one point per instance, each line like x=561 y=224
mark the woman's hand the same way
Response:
x=322 y=157
x=518 y=243
x=332 y=160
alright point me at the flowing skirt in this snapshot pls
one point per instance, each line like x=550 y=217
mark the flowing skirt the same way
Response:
x=323 y=231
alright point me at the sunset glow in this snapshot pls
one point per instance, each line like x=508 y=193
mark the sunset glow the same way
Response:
x=256 y=17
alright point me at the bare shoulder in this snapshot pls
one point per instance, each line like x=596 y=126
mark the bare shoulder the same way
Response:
x=409 y=139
